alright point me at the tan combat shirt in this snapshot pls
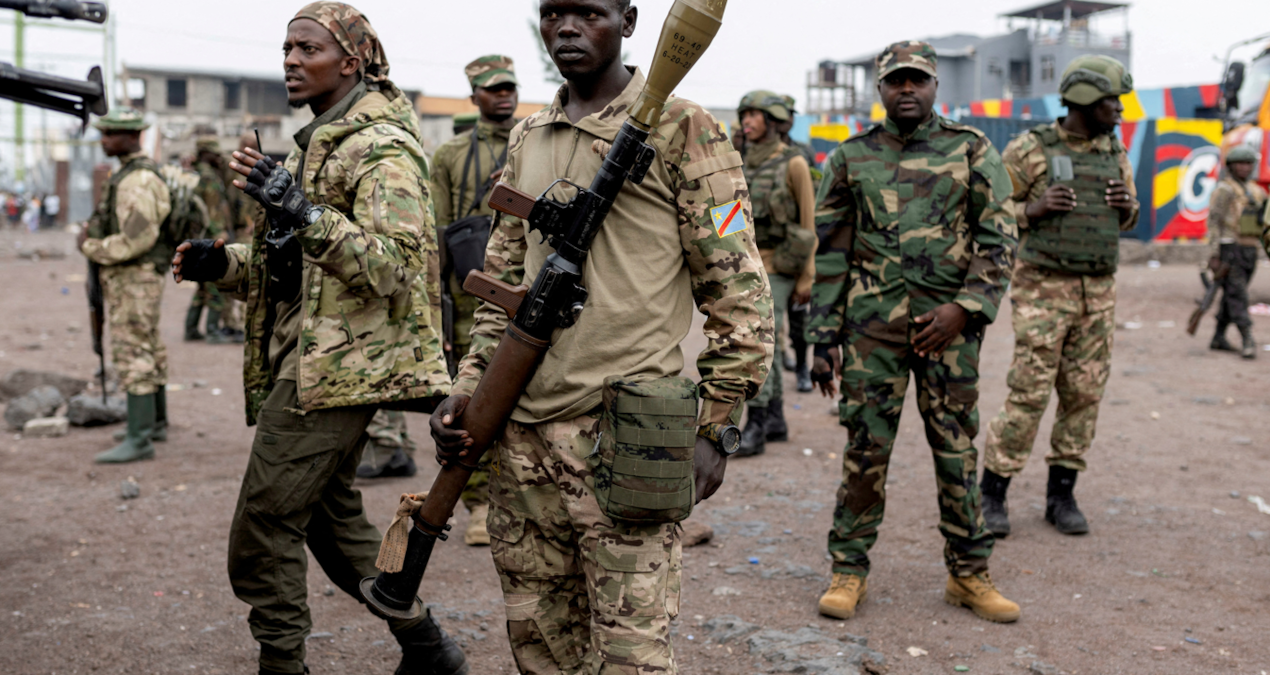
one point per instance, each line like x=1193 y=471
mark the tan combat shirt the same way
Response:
x=142 y=204
x=1230 y=198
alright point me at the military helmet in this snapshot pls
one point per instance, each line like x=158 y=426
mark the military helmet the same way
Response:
x=1241 y=153
x=769 y=102
x=791 y=104
x=121 y=119
x=1088 y=79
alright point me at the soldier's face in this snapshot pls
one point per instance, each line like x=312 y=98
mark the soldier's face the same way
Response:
x=1240 y=170
x=754 y=125
x=119 y=143
x=908 y=95
x=584 y=37
x=1106 y=115
x=497 y=103
x=316 y=65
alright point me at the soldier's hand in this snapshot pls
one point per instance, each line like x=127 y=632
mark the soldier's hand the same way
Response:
x=708 y=465
x=1118 y=196
x=200 y=260
x=1055 y=199
x=452 y=442
x=825 y=367
x=946 y=323
x=255 y=169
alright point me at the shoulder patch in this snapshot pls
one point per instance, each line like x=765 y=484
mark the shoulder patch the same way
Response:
x=729 y=219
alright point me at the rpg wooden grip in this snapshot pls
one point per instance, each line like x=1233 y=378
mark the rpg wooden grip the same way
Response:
x=511 y=201
x=491 y=290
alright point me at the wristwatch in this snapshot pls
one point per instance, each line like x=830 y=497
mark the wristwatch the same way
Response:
x=726 y=439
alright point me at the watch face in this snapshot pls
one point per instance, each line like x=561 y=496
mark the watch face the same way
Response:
x=730 y=439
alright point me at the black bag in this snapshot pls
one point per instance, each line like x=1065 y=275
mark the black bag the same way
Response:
x=464 y=240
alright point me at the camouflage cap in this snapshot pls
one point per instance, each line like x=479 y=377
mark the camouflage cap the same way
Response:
x=352 y=30
x=1090 y=78
x=207 y=144
x=121 y=119
x=907 y=54
x=490 y=71
x=1241 y=153
x=769 y=102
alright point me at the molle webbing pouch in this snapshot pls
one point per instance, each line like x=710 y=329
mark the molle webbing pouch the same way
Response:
x=1250 y=221
x=790 y=257
x=645 y=451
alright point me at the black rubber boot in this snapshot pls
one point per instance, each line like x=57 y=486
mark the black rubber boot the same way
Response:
x=996 y=515
x=400 y=465
x=754 y=435
x=1219 y=342
x=1250 y=346
x=1060 y=505
x=774 y=427
x=426 y=649
x=192 y=317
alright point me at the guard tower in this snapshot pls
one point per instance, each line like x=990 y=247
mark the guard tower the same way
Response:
x=1061 y=31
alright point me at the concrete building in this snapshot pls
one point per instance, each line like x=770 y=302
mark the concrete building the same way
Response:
x=1025 y=62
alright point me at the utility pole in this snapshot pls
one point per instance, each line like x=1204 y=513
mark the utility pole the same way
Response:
x=19 y=123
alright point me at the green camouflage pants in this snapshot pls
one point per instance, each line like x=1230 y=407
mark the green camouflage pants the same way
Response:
x=297 y=490
x=782 y=288
x=1063 y=330
x=584 y=595
x=208 y=296
x=132 y=295
x=875 y=376
x=387 y=432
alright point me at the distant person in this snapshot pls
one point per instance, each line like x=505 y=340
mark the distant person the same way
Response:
x=52 y=208
x=208 y=164
x=1234 y=227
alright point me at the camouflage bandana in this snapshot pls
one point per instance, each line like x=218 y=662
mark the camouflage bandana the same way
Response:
x=491 y=71
x=907 y=54
x=352 y=30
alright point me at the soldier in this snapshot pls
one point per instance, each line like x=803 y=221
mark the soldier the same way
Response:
x=126 y=237
x=390 y=452
x=245 y=215
x=464 y=121
x=798 y=311
x=916 y=212
x=338 y=324
x=1064 y=287
x=585 y=593
x=211 y=188
x=1233 y=228
x=784 y=200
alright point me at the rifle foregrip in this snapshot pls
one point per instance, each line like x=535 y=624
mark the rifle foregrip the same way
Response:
x=495 y=292
x=511 y=201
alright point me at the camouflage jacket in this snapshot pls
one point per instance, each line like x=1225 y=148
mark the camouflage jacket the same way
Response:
x=1227 y=206
x=908 y=224
x=141 y=205
x=371 y=310
x=447 y=171
x=657 y=257
x=211 y=188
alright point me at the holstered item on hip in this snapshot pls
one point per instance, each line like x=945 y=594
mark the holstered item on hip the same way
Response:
x=644 y=459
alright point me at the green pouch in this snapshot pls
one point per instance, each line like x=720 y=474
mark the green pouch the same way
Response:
x=644 y=472
x=791 y=254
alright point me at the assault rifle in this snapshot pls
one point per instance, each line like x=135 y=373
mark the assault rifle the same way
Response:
x=556 y=298
x=1210 y=294
x=73 y=97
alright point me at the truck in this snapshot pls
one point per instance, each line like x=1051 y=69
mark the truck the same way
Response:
x=1245 y=102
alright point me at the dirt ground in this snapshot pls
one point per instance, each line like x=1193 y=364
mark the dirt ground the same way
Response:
x=1174 y=578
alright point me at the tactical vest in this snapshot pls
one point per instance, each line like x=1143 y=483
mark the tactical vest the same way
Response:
x=775 y=208
x=107 y=218
x=1085 y=240
x=1250 y=219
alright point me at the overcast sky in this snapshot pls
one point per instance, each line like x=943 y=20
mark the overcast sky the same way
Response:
x=763 y=44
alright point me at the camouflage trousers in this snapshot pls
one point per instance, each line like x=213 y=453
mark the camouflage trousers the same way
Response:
x=388 y=433
x=208 y=296
x=132 y=295
x=1063 y=329
x=773 y=387
x=584 y=595
x=1234 y=287
x=875 y=377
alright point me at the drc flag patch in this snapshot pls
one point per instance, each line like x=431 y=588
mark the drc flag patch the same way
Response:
x=728 y=219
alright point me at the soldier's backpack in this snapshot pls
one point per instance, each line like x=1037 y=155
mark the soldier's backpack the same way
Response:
x=189 y=217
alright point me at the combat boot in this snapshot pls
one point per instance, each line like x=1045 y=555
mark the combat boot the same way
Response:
x=1060 y=505
x=136 y=443
x=1250 y=346
x=996 y=515
x=192 y=316
x=980 y=595
x=1219 y=342
x=215 y=335
x=754 y=434
x=399 y=465
x=426 y=649
x=476 y=534
x=845 y=593
x=789 y=362
x=803 y=375
x=774 y=427
x=160 y=419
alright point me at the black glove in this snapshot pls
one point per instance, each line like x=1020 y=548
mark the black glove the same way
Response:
x=821 y=351
x=203 y=261
x=275 y=188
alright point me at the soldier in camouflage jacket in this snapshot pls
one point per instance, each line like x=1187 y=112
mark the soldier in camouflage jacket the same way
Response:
x=917 y=239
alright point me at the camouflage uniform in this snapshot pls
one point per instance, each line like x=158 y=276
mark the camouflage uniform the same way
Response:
x=1232 y=202
x=362 y=331
x=585 y=594
x=215 y=195
x=932 y=225
x=1064 y=323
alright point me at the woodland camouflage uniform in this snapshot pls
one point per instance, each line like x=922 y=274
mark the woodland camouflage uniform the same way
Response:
x=215 y=195
x=586 y=594
x=941 y=233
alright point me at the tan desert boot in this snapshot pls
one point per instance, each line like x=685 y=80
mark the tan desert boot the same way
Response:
x=978 y=593
x=476 y=534
x=845 y=592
